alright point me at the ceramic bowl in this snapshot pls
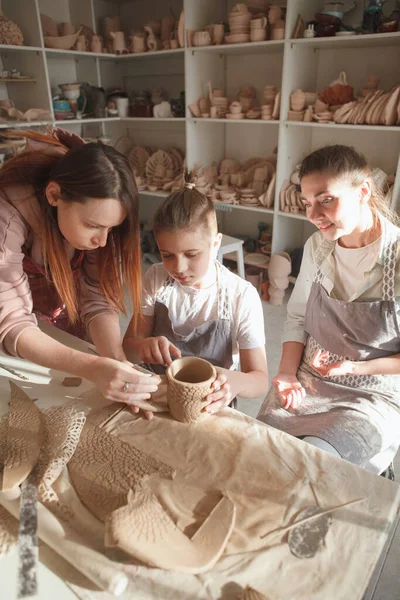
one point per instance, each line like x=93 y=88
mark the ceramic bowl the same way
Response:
x=238 y=38
x=64 y=42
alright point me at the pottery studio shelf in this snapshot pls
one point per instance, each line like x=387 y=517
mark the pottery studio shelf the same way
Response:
x=248 y=48
x=269 y=123
x=374 y=40
x=17 y=80
x=250 y=263
x=288 y=64
x=395 y=128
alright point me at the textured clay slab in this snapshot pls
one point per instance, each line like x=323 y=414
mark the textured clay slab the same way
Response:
x=306 y=539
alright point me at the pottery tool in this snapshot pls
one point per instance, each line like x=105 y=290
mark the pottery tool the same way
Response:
x=27 y=537
x=10 y=370
x=68 y=544
x=327 y=511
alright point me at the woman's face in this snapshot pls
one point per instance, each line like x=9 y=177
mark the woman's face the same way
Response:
x=333 y=204
x=86 y=225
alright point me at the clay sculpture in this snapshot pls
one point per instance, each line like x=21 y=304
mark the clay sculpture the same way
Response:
x=143 y=529
x=189 y=382
x=21 y=440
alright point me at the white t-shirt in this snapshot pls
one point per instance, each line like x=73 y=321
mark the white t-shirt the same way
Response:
x=349 y=261
x=190 y=307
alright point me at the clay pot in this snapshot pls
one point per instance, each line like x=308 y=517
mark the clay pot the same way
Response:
x=82 y=44
x=274 y=14
x=297 y=100
x=217 y=32
x=201 y=38
x=278 y=34
x=258 y=35
x=235 y=108
x=96 y=44
x=279 y=270
x=260 y=23
x=119 y=44
x=137 y=43
x=189 y=383
x=66 y=29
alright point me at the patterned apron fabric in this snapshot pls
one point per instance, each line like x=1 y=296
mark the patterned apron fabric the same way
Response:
x=47 y=304
x=211 y=341
x=359 y=415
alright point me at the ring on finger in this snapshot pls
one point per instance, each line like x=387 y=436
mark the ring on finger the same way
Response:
x=126 y=388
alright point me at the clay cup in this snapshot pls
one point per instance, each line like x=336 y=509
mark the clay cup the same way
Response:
x=189 y=383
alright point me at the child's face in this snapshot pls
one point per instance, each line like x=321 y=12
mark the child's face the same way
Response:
x=188 y=254
x=333 y=204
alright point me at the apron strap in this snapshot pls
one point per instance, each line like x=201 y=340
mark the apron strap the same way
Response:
x=389 y=271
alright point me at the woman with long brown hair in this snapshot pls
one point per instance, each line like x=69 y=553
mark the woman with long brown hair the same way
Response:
x=338 y=385
x=69 y=240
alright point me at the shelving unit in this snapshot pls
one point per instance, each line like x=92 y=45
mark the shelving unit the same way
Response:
x=309 y=64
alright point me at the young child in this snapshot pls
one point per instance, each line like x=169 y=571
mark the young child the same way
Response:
x=194 y=306
x=338 y=385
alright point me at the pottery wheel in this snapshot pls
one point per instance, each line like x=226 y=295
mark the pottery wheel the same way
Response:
x=306 y=539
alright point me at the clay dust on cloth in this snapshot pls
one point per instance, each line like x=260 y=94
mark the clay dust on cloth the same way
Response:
x=271 y=477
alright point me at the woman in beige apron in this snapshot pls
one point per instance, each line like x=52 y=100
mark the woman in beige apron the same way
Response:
x=344 y=393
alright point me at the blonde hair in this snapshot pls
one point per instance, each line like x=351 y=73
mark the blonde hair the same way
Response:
x=345 y=161
x=186 y=208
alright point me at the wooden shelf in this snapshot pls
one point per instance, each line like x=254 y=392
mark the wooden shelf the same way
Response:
x=9 y=48
x=350 y=41
x=247 y=48
x=395 y=128
x=17 y=80
x=293 y=216
x=235 y=121
x=152 y=55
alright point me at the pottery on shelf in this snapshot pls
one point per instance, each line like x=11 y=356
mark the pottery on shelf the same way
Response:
x=96 y=44
x=119 y=44
x=297 y=100
x=49 y=27
x=10 y=33
x=279 y=269
x=201 y=38
x=82 y=44
x=66 y=29
x=153 y=42
x=64 y=42
x=110 y=24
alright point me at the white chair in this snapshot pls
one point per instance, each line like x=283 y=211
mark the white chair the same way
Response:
x=231 y=244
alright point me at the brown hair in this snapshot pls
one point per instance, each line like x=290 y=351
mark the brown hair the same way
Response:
x=186 y=208
x=345 y=161
x=85 y=171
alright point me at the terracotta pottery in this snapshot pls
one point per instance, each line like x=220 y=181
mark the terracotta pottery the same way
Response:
x=279 y=270
x=96 y=44
x=235 y=108
x=119 y=45
x=10 y=33
x=82 y=44
x=61 y=43
x=258 y=35
x=260 y=23
x=189 y=383
x=137 y=43
x=274 y=14
x=297 y=100
x=66 y=29
x=201 y=38
x=217 y=33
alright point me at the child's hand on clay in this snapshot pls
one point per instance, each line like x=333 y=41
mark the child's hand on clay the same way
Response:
x=222 y=394
x=158 y=351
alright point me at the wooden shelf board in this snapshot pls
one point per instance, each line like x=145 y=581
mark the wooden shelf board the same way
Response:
x=235 y=121
x=351 y=41
x=395 y=128
x=247 y=48
x=17 y=80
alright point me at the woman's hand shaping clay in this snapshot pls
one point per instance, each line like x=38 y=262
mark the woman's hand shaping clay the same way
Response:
x=158 y=351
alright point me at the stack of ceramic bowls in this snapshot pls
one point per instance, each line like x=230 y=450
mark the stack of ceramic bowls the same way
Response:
x=239 y=25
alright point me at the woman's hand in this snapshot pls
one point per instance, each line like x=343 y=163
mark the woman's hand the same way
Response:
x=318 y=363
x=290 y=390
x=120 y=382
x=158 y=351
x=222 y=394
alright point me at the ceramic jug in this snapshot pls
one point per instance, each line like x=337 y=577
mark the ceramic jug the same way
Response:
x=96 y=44
x=119 y=45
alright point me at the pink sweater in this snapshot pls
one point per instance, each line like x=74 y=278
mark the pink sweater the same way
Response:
x=20 y=226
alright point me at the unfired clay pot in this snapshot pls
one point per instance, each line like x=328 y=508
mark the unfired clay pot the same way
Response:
x=189 y=383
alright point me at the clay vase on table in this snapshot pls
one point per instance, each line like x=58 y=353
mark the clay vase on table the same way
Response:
x=189 y=383
x=279 y=269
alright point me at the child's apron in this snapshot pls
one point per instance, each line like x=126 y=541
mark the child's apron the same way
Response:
x=359 y=415
x=47 y=304
x=211 y=341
